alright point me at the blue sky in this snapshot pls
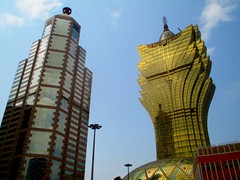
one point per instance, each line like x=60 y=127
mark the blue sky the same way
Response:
x=111 y=31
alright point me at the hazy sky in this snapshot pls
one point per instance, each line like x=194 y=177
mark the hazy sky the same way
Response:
x=111 y=31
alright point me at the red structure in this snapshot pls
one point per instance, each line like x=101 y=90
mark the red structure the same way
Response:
x=218 y=162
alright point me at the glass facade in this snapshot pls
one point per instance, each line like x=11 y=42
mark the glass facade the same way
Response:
x=165 y=169
x=177 y=91
x=44 y=133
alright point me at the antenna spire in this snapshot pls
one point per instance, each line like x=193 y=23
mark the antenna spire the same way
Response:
x=164 y=20
x=165 y=24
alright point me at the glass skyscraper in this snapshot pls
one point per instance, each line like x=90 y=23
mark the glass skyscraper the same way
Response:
x=176 y=92
x=45 y=125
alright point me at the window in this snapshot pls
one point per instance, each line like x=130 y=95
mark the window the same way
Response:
x=55 y=59
x=58 y=43
x=64 y=103
x=48 y=96
x=61 y=27
x=55 y=169
x=58 y=147
x=39 y=142
x=47 y=29
x=52 y=76
x=75 y=32
x=43 y=118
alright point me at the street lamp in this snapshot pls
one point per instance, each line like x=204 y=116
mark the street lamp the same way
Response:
x=128 y=166
x=94 y=127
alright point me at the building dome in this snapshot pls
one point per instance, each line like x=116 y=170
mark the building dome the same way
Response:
x=165 y=169
x=166 y=32
x=165 y=35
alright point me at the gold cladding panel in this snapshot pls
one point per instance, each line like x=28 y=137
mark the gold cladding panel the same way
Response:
x=176 y=92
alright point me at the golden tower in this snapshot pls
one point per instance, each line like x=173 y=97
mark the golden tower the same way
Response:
x=177 y=91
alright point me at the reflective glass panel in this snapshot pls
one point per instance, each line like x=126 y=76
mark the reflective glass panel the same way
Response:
x=64 y=103
x=34 y=168
x=55 y=59
x=48 y=96
x=58 y=43
x=43 y=44
x=61 y=27
x=75 y=32
x=58 y=146
x=43 y=118
x=62 y=122
x=73 y=48
x=68 y=81
x=39 y=142
x=40 y=60
x=55 y=169
x=47 y=30
x=30 y=99
x=70 y=64
x=36 y=75
x=52 y=76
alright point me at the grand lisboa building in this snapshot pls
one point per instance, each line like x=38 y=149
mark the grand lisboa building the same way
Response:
x=176 y=91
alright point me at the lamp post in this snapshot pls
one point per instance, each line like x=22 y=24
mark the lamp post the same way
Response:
x=94 y=127
x=128 y=166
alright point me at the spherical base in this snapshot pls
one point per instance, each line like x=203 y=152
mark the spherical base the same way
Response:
x=177 y=168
